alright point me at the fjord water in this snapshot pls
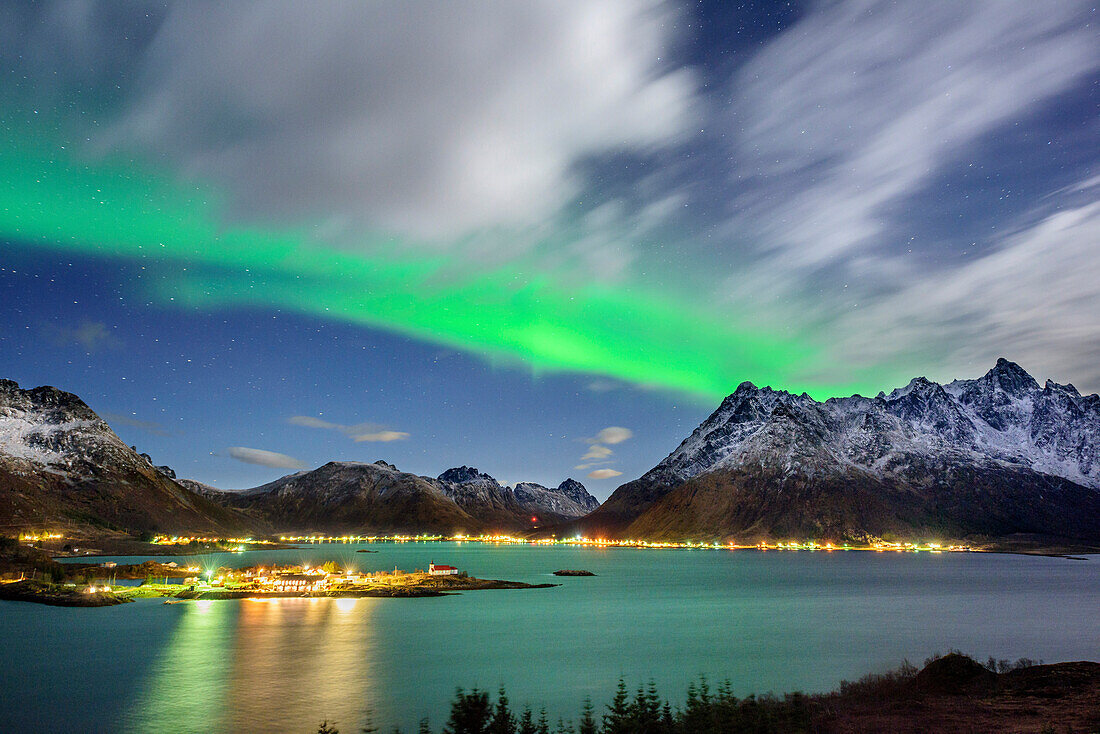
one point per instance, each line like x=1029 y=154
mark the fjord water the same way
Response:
x=777 y=621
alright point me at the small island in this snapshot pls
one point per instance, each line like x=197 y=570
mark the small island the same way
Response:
x=98 y=584
x=572 y=572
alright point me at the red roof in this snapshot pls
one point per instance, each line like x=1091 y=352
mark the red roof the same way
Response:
x=441 y=567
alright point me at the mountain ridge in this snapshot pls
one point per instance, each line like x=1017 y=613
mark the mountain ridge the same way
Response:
x=342 y=496
x=919 y=457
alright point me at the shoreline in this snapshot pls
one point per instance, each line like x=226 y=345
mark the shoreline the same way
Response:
x=38 y=592
x=393 y=592
x=92 y=548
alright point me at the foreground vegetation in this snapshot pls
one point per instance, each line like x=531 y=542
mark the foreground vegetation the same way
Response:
x=951 y=693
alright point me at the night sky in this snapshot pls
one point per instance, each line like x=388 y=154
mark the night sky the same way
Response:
x=541 y=238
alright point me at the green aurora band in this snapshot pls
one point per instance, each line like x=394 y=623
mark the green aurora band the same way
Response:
x=625 y=331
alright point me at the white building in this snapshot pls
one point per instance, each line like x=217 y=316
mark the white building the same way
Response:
x=436 y=569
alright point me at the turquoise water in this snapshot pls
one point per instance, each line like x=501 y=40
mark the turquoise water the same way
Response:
x=767 y=621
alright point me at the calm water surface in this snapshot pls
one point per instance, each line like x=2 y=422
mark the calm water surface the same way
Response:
x=767 y=621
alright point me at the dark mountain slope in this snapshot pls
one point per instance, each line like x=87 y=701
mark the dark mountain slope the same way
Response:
x=377 y=498
x=61 y=466
x=356 y=497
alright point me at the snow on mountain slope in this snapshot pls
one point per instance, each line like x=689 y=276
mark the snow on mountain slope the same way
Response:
x=54 y=429
x=999 y=454
x=61 y=464
x=1003 y=417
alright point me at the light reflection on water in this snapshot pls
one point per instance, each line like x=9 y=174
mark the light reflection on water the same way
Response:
x=234 y=666
x=769 y=621
x=185 y=685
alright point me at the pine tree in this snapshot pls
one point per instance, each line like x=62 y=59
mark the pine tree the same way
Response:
x=696 y=716
x=617 y=718
x=527 y=722
x=588 y=718
x=470 y=713
x=503 y=722
x=668 y=724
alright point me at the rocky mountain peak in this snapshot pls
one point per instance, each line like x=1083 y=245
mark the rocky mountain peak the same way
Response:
x=1011 y=378
x=463 y=475
x=571 y=485
x=577 y=492
x=1052 y=386
x=1003 y=416
x=919 y=386
x=53 y=404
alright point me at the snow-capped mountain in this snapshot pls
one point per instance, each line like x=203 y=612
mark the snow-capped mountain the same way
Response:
x=924 y=439
x=61 y=465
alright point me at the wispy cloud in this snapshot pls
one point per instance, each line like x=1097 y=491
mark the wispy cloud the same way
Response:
x=423 y=132
x=1036 y=290
x=596 y=451
x=854 y=133
x=263 y=457
x=612 y=435
x=382 y=436
x=357 y=432
x=311 y=422
x=599 y=452
x=92 y=336
x=863 y=101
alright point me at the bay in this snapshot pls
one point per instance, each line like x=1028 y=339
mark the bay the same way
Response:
x=767 y=621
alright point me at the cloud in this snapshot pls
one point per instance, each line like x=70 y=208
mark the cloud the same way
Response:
x=92 y=336
x=311 y=422
x=155 y=429
x=432 y=119
x=613 y=435
x=383 y=436
x=356 y=432
x=867 y=151
x=1033 y=298
x=886 y=156
x=264 y=458
x=602 y=385
x=596 y=451
x=862 y=102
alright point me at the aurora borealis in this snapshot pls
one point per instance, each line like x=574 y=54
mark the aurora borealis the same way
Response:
x=606 y=209
x=643 y=337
